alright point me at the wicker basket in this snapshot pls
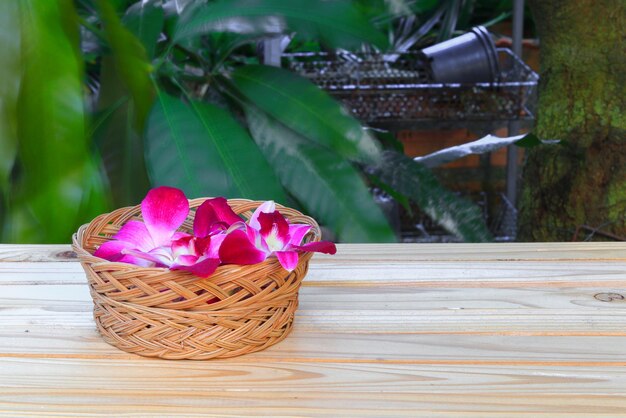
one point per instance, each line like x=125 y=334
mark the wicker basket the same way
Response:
x=157 y=312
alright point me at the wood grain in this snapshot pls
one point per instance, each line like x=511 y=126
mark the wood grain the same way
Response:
x=382 y=330
x=233 y=388
x=577 y=251
x=376 y=310
x=477 y=274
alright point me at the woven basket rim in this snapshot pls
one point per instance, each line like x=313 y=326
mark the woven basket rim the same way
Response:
x=78 y=244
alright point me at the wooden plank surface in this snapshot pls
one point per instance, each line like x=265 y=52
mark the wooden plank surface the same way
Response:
x=393 y=252
x=382 y=330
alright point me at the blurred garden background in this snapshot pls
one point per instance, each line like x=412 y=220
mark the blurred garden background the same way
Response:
x=316 y=105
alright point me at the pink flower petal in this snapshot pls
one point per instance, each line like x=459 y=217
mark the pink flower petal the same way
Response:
x=213 y=249
x=115 y=251
x=237 y=249
x=325 y=247
x=201 y=245
x=202 y=268
x=179 y=235
x=274 y=230
x=136 y=233
x=287 y=259
x=185 y=260
x=255 y=238
x=159 y=256
x=265 y=207
x=184 y=246
x=237 y=225
x=112 y=250
x=164 y=210
x=211 y=212
x=297 y=232
x=136 y=261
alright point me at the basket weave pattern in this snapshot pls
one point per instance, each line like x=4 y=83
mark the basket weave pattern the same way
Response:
x=157 y=312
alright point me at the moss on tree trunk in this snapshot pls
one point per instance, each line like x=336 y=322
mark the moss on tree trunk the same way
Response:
x=581 y=101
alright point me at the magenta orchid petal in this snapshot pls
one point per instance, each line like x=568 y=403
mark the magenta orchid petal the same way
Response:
x=212 y=212
x=178 y=235
x=213 y=249
x=238 y=225
x=185 y=260
x=203 y=268
x=218 y=227
x=184 y=246
x=255 y=238
x=237 y=249
x=224 y=212
x=112 y=250
x=164 y=210
x=136 y=261
x=287 y=259
x=205 y=218
x=265 y=207
x=325 y=247
x=297 y=232
x=274 y=230
x=136 y=233
x=201 y=245
x=158 y=256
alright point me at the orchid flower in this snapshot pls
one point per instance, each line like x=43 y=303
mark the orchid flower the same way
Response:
x=156 y=242
x=269 y=233
x=220 y=236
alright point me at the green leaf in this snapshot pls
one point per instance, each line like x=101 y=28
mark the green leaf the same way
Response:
x=304 y=108
x=335 y=23
x=326 y=184
x=120 y=146
x=10 y=74
x=201 y=149
x=131 y=62
x=447 y=27
x=60 y=186
x=386 y=139
x=145 y=20
x=456 y=215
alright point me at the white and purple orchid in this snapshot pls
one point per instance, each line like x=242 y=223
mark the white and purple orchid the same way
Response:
x=268 y=233
x=219 y=236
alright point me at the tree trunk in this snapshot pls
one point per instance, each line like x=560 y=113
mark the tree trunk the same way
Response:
x=582 y=102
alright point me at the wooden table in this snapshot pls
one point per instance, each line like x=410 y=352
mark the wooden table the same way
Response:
x=382 y=330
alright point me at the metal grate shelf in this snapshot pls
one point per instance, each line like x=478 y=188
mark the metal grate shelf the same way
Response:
x=394 y=90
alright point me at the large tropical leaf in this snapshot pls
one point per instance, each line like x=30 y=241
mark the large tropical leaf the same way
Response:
x=201 y=149
x=60 y=185
x=145 y=20
x=10 y=74
x=326 y=184
x=336 y=23
x=304 y=108
x=131 y=62
x=456 y=215
x=120 y=144
x=125 y=97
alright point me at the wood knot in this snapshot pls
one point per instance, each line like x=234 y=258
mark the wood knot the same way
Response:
x=608 y=297
x=66 y=255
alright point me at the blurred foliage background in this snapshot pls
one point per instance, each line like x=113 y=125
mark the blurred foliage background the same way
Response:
x=101 y=100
